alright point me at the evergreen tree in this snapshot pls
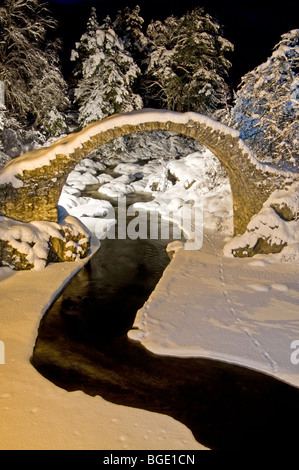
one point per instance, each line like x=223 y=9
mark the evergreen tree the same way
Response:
x=105 y=71
x=266 y=109
x=128 y=25
x=84 y=50
x=187 y=64
x=29 y=66
x=163 y=37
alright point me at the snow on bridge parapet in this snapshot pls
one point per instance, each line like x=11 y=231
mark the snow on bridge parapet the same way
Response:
x=67 y=145
x=30 y=185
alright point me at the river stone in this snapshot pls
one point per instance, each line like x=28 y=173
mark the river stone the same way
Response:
x=285 y=212
x=10 y=256
x=262 y=246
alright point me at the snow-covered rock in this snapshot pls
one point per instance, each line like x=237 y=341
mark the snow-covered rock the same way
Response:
x=33 y=245
x=275 y=229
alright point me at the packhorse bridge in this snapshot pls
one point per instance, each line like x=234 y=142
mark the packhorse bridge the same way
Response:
x=30 y=185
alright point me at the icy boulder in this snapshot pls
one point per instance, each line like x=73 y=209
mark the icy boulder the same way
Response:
x=275 y=229
x=33 y=245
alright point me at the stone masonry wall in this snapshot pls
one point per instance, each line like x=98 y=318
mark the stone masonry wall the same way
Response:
x=40 y=188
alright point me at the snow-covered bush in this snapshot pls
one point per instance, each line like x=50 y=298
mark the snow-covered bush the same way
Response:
x=29 y=65
x=147 y=145
x=266 y=110
x=49 y=99
x=16 y=139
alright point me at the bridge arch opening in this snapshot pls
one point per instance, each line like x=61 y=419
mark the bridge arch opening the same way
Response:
x=30 y=185
x=156 y=169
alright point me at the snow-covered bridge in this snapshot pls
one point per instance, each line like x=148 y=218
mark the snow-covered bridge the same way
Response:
x=30 y=185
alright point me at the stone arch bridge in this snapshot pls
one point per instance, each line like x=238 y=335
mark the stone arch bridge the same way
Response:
x=30 y=185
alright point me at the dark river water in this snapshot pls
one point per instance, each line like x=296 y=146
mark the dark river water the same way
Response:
x=82 y=344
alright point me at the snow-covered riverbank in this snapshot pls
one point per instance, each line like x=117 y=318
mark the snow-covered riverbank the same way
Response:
x=36 y=414
x=235 y=310
x=242 y=311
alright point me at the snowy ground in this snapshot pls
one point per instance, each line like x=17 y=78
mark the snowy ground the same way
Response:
x=244 y=311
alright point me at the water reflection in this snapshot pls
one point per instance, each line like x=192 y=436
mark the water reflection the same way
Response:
x=82 y=345
x=102 y=300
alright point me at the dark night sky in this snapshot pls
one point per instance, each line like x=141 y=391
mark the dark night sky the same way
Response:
x=254 y=27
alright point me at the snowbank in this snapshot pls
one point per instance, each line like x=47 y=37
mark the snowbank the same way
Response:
x=241 y=311
x=276 y=226
x=33 y=245
x=199 y=181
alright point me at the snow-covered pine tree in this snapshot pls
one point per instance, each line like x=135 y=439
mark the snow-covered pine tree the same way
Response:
x=187 y=64
x=201 y=65
x=163 y=38
x=128 y=25
x=35 y=91
x=266 y=109
x=105 y=71
x=87 y=46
